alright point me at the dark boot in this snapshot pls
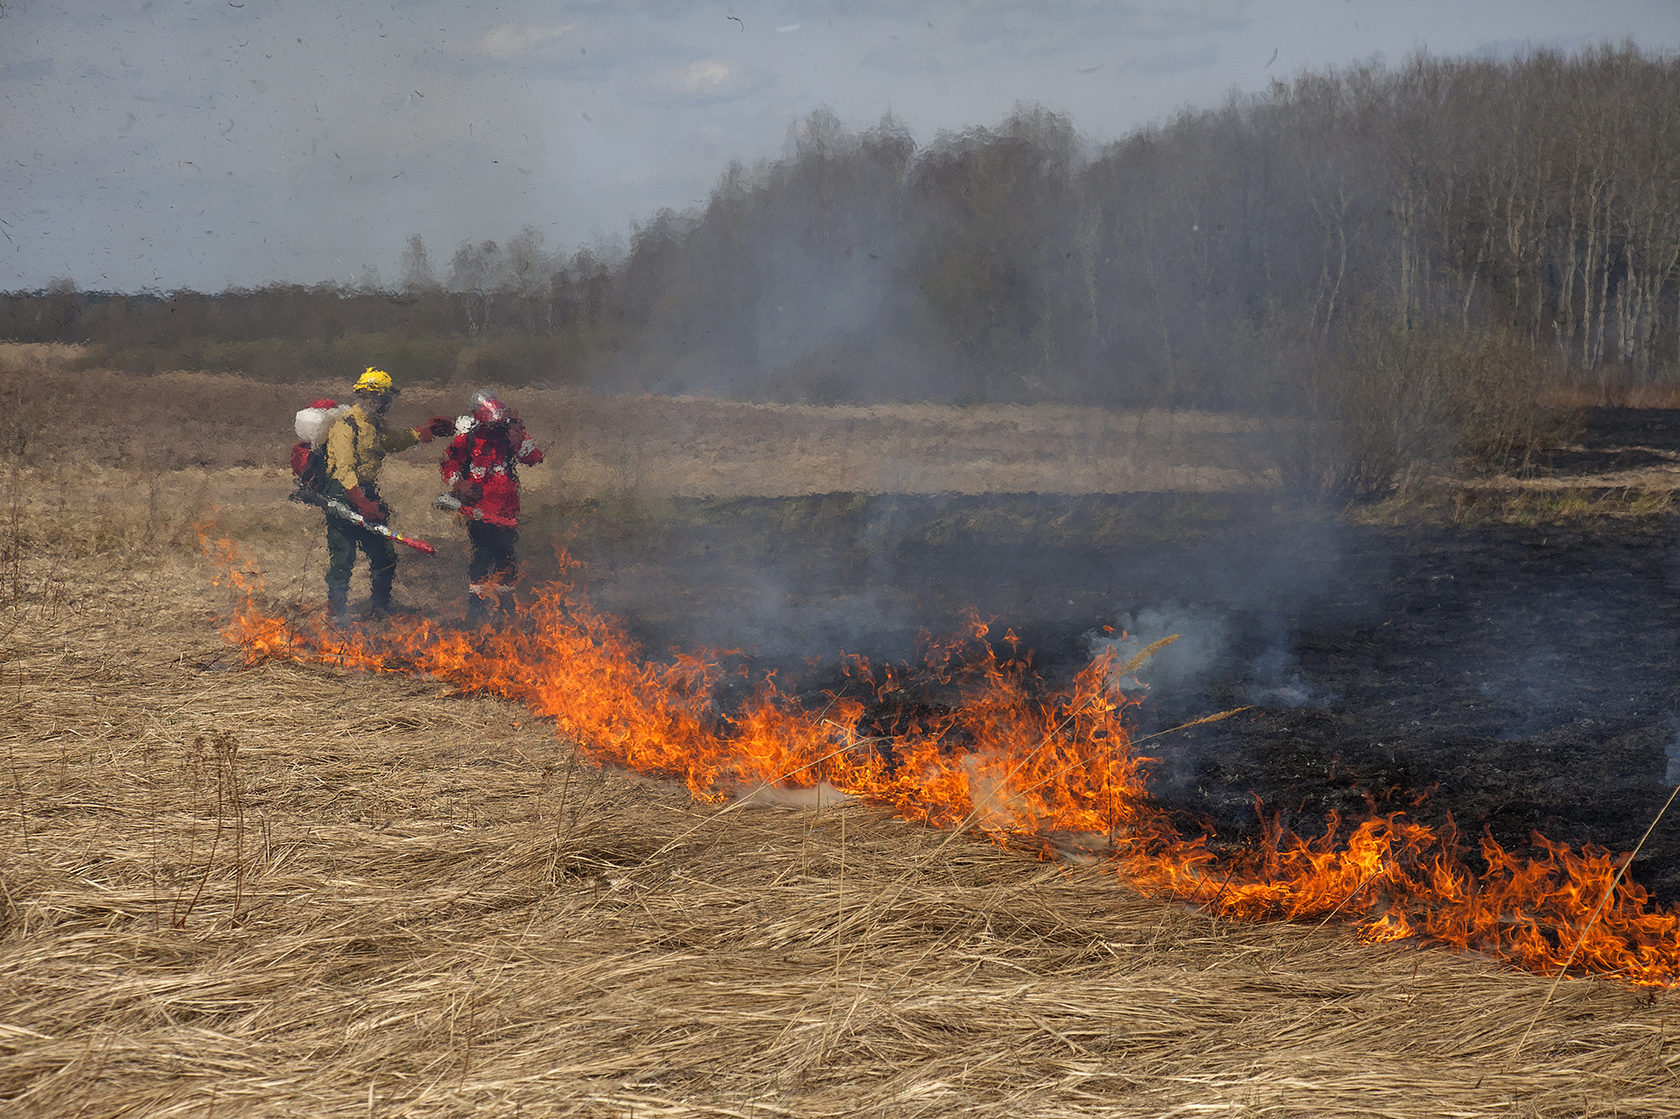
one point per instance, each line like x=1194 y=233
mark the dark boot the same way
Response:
x=381 y=604
x=477 y=609
x=338 y=604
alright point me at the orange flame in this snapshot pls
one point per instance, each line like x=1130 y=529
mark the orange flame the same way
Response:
x=1016 y=762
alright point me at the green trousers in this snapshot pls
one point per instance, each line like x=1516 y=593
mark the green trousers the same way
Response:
x=343 y=538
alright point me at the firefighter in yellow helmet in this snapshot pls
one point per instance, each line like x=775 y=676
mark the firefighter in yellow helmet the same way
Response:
x=357 y=443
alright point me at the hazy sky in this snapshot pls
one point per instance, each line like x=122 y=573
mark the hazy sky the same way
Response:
x=214 y=143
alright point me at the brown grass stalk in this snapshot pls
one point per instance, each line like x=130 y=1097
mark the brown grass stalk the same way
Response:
x=422 y=924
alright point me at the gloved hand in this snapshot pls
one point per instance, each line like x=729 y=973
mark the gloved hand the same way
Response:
x=440 y=426
x=468 y=492
x=518 y=437
x=372 y=512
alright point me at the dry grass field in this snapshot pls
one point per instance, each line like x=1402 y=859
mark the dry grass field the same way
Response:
x=288 y=890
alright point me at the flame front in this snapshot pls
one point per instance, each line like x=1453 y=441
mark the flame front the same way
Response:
x=1018 y=763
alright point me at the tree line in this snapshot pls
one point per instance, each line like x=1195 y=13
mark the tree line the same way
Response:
x=1444 y=236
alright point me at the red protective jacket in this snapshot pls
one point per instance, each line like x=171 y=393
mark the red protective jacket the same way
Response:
x=485 y=456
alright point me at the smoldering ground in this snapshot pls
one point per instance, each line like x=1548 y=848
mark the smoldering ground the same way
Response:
x=1517 y=679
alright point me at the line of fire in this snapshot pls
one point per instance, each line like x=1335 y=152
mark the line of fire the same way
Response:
x=1048 y=770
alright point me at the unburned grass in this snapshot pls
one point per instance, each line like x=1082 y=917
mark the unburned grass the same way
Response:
x=282 y=889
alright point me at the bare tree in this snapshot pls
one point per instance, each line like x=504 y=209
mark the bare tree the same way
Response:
x=417 y=275
x=476 y=274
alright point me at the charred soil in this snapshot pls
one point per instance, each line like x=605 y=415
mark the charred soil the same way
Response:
x=1515 y=672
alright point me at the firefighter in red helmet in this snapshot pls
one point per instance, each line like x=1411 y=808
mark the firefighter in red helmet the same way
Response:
x=481 y=469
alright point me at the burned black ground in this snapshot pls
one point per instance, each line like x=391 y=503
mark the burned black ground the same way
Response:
x=1521 y=678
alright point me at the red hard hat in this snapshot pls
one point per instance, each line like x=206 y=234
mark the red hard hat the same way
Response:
x=487 y=407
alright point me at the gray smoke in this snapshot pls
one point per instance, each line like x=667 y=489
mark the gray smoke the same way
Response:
x=1201 y=649
x=1207 y=651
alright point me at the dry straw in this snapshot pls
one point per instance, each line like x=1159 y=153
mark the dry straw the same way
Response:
x=422 y=905
x=288 y=891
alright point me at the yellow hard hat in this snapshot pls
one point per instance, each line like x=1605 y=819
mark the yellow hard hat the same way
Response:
x=376 y=382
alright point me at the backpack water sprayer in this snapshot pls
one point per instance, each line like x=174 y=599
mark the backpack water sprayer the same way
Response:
x=309 y=471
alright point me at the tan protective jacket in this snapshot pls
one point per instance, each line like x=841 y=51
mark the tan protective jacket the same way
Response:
x=358 y=442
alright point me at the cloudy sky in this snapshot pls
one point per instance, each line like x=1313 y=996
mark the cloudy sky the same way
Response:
x=217 y=143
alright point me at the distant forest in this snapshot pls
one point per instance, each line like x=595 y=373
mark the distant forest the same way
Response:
x=1445 y=235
